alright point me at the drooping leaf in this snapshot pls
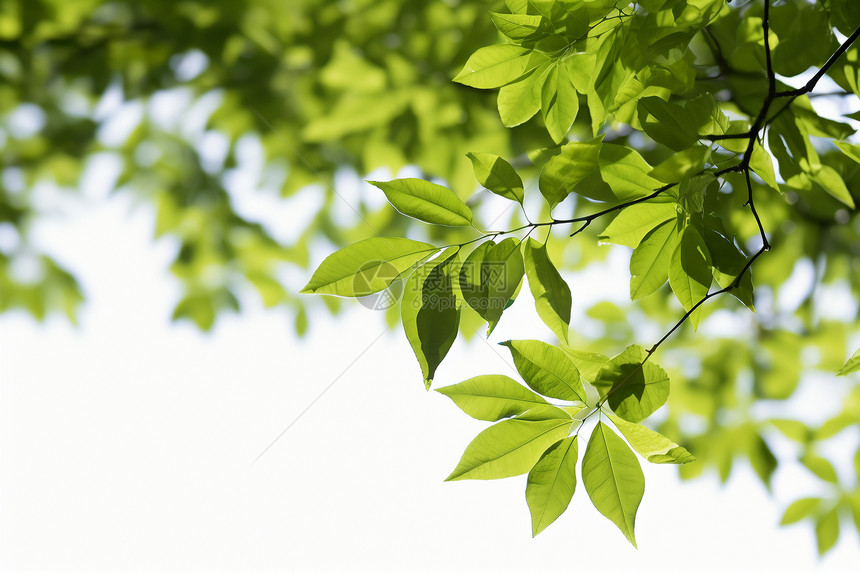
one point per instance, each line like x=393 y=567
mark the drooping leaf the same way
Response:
x=426 y=201
x=519 y=101
x=546 y=369
x=690 y=271
x=649 y=264
x=430 y=314
x=367 y=267
x=492 y=397
x=551 y=483
x=576 y=161
x=494 y=66
x=502 y=272
x=635 y=388
x=830 y=180
x=588 y=363
x=559 y=102
x=497 y=175
x=550 y=291
x=654 y=447
x=728 y=263
x=827 y=530
x=509 y=448
x=613 y=479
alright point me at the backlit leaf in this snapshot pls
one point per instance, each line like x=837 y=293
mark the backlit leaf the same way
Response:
x=613 y=479
x=426 y=201
x=551 y=483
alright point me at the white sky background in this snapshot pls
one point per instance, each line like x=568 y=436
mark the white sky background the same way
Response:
x=126 y=443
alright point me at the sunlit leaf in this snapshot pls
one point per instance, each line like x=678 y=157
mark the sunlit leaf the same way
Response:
x=546 y=369
x=550 y=291
x=426 y=201
x=635 y=387
x=654 y=447
x=491 y=397
x=367 y=267
x=613 y=479
x=509 y=448
x=551 y=483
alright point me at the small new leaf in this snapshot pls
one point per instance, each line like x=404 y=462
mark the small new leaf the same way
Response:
x=654 y=447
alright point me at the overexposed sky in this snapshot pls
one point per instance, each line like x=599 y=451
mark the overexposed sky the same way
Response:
x=126 y=444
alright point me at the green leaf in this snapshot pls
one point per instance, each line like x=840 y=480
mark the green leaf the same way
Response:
x=634 y=222
x=827 y=530
x=426 y=201
x=550 y=291
x=497 y=175
x=820 y=467
x=559 y=102
x=850 y=150
x=649 y=264
x=367 y=267
x=546 y=369
x=560 y=176
x=519 y=101
x=853 y=364
x=800 y=509
x=509 y=448
x=626 y=174
x=472 y=287
x=502 y=273
x=494 y=66
x=728 y=263
x=762 y=163
x=492 y=397
x=517 y=26
x=691 y=192
x=833 y=184
x=667 y=123
x=429 y=313
x=636 y=388
x=613 y=479
x=588 y=363
x=654 y=447
x=690 y=271
x=551 y=483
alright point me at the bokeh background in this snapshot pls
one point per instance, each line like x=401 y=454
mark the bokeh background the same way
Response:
x=170 y=174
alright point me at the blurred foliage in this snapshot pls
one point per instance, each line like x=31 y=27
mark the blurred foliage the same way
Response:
x=172 y=92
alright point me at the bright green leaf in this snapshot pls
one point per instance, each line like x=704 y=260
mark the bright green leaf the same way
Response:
x=367 y=267
x=552 y=295
x=690 y=271
x=546 y=369
x=654 y=447
x=494 y=66
x=649 y=264
x=509 y=448
x=613 y=479
x=799 y=510
x=426 y=201
x=853 y=364
x=634 y=222
x=635 y=388
x=559 y=102
x=551 y=483
x=497 y=175
x=492 y=397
